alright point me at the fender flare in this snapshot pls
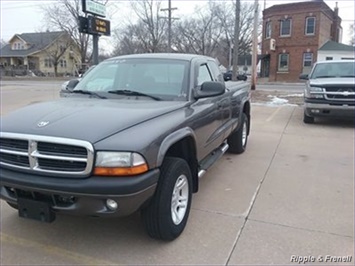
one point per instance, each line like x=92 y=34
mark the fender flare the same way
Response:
x=170 y=140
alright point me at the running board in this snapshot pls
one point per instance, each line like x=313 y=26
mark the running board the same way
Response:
x=212 y=158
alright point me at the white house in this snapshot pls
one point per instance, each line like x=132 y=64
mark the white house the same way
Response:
x=335 y=51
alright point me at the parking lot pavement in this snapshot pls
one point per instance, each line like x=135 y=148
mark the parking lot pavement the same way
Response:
x=290 y=194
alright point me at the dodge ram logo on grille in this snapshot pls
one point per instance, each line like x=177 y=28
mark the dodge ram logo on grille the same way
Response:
x=43 y=123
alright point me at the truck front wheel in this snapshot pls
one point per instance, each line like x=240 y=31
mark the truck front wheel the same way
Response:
x=238 y=140
x=308 y=119
x=166 y=216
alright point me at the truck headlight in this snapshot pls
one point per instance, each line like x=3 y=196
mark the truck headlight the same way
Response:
x=314 y=92
x=119 y=164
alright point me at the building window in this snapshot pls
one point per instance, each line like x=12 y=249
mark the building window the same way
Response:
x=307 y=59
x=268 y=30
x=310 y=26
x=63 y=63
x=18 y=46
x=328 y=58
x=285 y=27
x=48 y=62
x=283 y=62
x=62 y=48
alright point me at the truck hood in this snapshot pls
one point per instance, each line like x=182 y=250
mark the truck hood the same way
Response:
x=332 y=81
x=83 y=118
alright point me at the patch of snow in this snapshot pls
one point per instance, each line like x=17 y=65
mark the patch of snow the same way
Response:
x=294 y=95
x=270 y=104
x=276 y=101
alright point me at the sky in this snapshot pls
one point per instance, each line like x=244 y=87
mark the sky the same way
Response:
x=17 y=16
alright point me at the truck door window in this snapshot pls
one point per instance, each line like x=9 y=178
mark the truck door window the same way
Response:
x=217 y=75
x=203 y=75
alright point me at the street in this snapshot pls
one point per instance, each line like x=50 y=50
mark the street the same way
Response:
x=288 y=199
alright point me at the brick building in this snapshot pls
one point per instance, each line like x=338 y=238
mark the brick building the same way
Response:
x=292 y=35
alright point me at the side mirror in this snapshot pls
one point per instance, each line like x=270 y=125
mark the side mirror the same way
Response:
x=210 y=89
x=304 y=76
x=71 y=84
x=67 y=87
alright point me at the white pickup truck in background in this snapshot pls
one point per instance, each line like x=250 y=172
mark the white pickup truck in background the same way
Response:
x=330 y=90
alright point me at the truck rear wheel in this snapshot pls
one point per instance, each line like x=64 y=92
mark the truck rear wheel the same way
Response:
x=238 y=140
x=308 y=119
x=166 y=216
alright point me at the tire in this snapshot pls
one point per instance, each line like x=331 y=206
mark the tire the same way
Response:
x=12 y=205
x=165 y=218
x=308 y=119
x=238 y=140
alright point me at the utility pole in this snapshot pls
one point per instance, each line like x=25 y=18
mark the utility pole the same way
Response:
x=169 y=9
x=95 y=48
x=230 y=56
x=255 y=45
x=236 y=40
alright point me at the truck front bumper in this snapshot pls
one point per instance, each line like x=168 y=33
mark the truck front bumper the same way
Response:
x=324 y=109
x=85 y=197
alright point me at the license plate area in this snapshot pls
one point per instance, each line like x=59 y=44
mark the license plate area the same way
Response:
x=36 y=210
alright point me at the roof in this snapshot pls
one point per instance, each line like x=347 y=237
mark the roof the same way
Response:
x=37 y=41
x=336 y=61
x=335 y=46
x=186 y=57
x=294 y=7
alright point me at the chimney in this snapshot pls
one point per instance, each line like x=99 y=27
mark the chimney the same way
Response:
x=336 y=10
x=336 y=24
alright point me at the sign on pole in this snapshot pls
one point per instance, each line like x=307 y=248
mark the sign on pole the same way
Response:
x=95 y=8
x=99 y=26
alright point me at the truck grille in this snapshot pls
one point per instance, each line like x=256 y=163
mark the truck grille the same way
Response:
x=340 y=93
x=46 y=154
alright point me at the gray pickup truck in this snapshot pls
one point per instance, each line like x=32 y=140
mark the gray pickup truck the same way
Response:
x=330 y=90
x=136 y=133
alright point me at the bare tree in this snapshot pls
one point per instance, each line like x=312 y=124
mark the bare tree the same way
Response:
x=56 y=51
x=64 y=15
x=211 y=30
x=227 y=16
x=2 y=43
x=151 y=30
x=147 y=35
x=351 y=32
x=200 y=34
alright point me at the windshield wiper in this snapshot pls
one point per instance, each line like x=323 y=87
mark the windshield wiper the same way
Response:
x=134 y=93
x=347 y=76
x=89 y=93
x=320 y=77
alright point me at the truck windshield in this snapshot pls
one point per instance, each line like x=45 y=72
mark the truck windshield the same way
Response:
x=165 y=79
x=333 y=69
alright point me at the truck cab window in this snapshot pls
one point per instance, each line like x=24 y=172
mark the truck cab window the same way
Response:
x=203 y=75
x=215 y=70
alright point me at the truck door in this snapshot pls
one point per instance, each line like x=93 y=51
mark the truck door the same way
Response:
x=207 y=127
x=225 y=102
